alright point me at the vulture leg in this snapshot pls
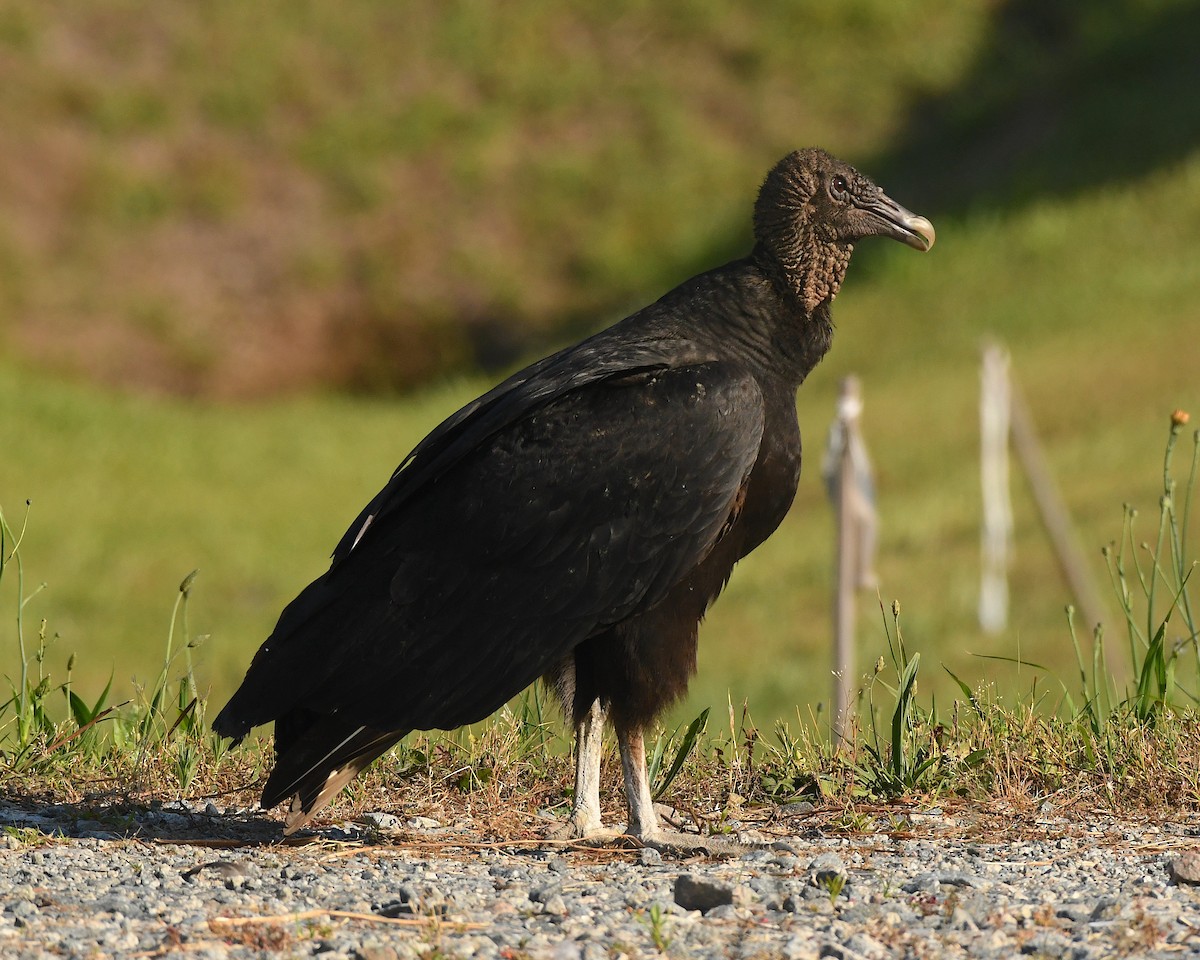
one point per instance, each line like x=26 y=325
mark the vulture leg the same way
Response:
x=589 y=745
x=643 y=822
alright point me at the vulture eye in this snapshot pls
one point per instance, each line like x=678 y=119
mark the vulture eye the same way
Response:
x=839 y=187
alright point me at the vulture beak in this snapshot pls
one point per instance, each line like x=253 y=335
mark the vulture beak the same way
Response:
x=900 y=224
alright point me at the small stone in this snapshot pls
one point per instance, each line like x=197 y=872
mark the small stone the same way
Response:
x=649 y=857
x=228 y=870
x=800 y=948
x=867 y=946
x=923 y=883
x=1108 y=908
x=827 y=867
x=23 y=911
x=381 y=821
x=743 y=896
x=839 y=951
x=800 y=808
x=1075 y=912
x=694 y=892
x=1046 y=945
x=375 y=951
x=726 y=911
x=961 y=920
x=543 y=894
x=555 y=906
x=1185 y=868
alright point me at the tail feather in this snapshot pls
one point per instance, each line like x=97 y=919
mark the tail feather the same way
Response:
x=316 y=761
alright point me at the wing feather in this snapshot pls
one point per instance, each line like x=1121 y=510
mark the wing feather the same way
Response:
x=545 y=529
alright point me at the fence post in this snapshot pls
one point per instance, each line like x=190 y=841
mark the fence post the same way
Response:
x=996 y=538
x=1053 y=512
x=847 y=474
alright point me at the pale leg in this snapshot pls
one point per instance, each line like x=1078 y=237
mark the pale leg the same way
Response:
x=589 y=746
x=643 y=822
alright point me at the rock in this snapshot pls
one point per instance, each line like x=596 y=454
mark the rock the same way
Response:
x=800 y=948
x=544 y=893
x=1107 y=908
x=1075 y=912
x=694 y=892
x=555 y=906
x=960 y=920
x=743 y=896
x=800 y=808
x=1185 y=868
x=376 y=951
x=827 y=867
x=839 y=951
x=867 y=946
x=381 y=821
x=1047 y=944
x=234 y=872
x=954 y=879
x=925 y=883
x=933 y=882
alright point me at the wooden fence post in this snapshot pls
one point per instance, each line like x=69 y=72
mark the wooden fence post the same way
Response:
x=1053 y=512
x=847 y=474
x=996 y=538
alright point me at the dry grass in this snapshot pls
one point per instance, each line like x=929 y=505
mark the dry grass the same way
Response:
x=497 y=786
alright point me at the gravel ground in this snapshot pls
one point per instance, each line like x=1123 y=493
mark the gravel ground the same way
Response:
x=203 y=883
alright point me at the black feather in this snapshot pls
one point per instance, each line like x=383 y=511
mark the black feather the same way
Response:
x=574 y=522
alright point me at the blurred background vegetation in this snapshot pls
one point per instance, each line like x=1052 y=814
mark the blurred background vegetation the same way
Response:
x=251 y=253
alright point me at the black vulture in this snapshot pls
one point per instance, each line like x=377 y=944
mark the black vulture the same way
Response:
x=574 y=522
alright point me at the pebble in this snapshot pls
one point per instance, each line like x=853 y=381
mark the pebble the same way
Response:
x=1186 y=869
x=67 y=892
x=694 y=892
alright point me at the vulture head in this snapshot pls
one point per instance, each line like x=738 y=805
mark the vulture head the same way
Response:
x=811 y=210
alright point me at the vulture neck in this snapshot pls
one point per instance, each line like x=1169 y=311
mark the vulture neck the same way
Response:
x=806 y=279
x=804 y=267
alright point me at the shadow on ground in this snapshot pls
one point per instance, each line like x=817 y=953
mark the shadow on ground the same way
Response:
x=177 y=822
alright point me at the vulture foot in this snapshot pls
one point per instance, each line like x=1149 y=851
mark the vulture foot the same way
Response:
x=673 y=843
x=578 y=828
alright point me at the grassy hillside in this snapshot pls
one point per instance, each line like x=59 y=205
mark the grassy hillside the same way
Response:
x=228 y=200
